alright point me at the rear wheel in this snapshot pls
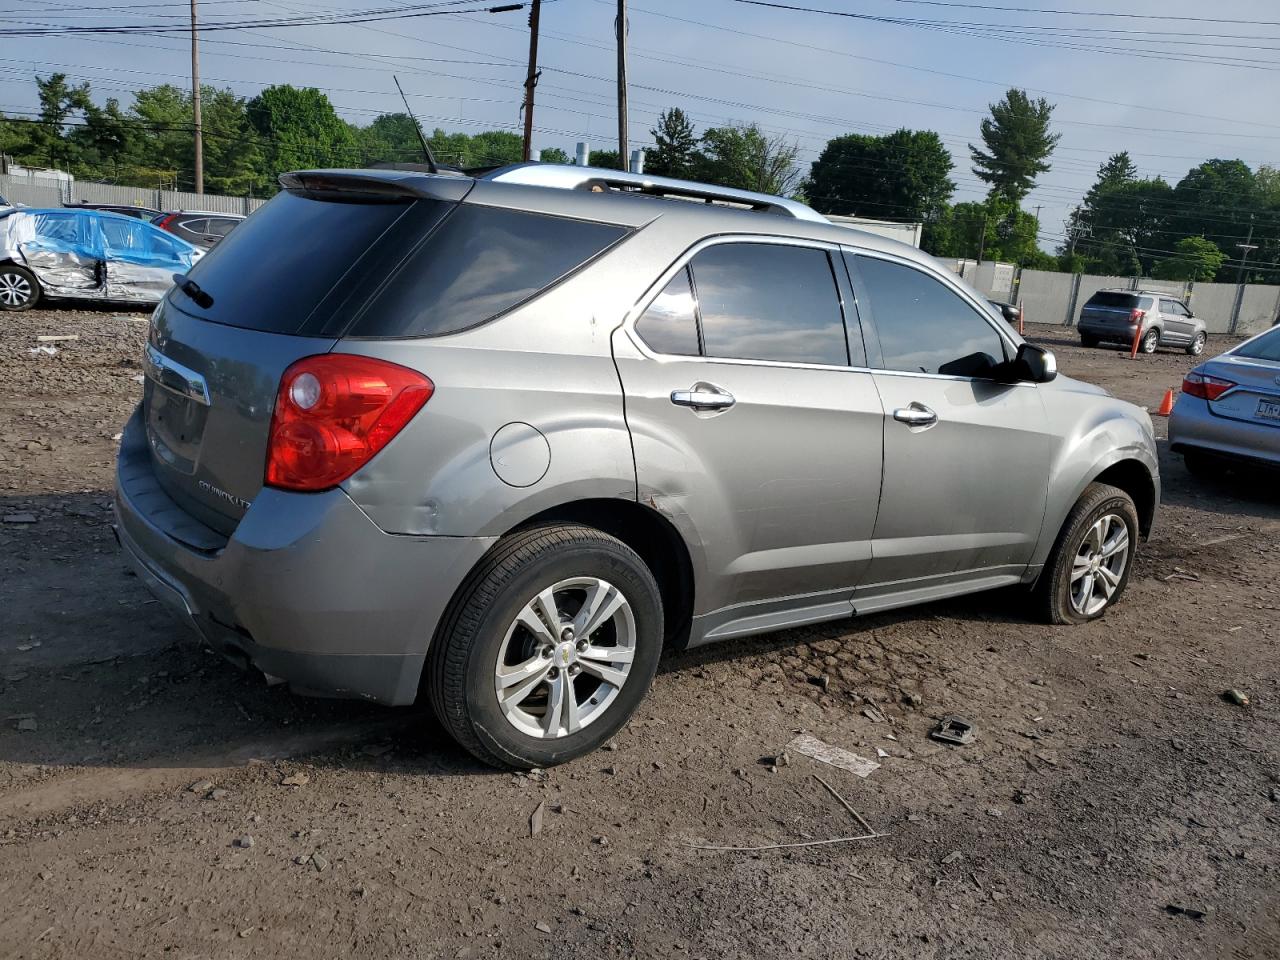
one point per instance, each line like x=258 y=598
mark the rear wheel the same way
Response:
x=1089 y=567
x=1088 y=340
x=549 y=647
x=19 y=289
x=1150 y=340
x=1201 y=465
x=1196 y=346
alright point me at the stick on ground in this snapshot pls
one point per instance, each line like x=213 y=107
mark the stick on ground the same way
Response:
x=845 y=803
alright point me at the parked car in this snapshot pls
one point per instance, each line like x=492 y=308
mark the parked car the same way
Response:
x=199 y=227
x=1115 y=315
x=125 y=209
x=554 y=420
x=1229 y=409
x=86 y=255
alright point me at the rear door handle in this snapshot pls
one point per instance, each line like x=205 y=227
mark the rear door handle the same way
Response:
x=703 y=396
x=916 y=415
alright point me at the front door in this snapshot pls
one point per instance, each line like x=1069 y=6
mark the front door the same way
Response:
x=966 y=460
x=140 y=259
x=756 y=431
x=1178 y=324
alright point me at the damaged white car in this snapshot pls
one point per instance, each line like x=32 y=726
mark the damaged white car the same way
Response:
x=86 y=255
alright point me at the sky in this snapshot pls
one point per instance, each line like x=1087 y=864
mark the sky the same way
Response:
x=1172 y=92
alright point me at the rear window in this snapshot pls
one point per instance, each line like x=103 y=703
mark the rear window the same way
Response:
x=1266 y=347
x=481 y=262
x=1126 y=301
x=276 y=267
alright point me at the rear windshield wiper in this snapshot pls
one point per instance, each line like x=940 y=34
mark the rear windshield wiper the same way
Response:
x=192 y=290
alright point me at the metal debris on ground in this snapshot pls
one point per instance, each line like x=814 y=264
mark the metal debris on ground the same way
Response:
x=1238 y=697
x=43 y=351
x=954 y=730
x=816 y=749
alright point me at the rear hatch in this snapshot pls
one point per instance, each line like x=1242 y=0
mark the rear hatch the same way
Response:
x=1255 y=367
x=283 y=285
x=1110 y=309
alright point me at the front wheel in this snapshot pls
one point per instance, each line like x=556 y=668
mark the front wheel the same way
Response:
x=19 y=289
x=1197 y=345
x=1090 y=564
x=1150 y=341
x=549 y=647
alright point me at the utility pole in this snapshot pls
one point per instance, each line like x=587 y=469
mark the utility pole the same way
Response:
x=982 y=239
x=195 y=100
x=531 y=80
x=1248 y=247
x=622 y=83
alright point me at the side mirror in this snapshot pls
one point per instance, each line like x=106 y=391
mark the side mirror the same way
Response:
x=1035 y=364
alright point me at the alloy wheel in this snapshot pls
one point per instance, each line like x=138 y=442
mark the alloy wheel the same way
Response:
x=15 y=289
x=1197 y=345
x=1099 y=565
x=565 y=657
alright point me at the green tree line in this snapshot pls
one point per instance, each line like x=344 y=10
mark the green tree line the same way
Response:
x=1125 y=225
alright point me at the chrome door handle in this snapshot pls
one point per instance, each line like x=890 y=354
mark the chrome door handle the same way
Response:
x=703 y=396
x=916 y=415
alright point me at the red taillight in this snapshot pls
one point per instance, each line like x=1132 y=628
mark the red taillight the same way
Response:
x=1205 y=387
x=1136 y=315
x=333 y=413
x=163 y=222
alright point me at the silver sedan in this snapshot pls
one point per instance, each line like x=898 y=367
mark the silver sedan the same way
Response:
x=1229 y=409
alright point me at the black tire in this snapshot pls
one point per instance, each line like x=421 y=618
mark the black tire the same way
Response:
x=1088 y=340
x=460 y=672
x=1196 y=347
x=1052 y=592
x=1150 y=341
x=14 y=282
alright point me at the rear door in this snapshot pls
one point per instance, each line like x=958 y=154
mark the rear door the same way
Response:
x=966 y=460
x=755 y=421
x=140 y=260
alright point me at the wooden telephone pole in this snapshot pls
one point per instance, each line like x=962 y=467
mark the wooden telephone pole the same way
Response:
x=531 y=79
x=622 y=84
x=195 y=101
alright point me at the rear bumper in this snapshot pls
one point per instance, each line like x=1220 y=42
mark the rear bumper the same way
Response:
x=1192 y=426
x=1108 y=331
x=307 y=589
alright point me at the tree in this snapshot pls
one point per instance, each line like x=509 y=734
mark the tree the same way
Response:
x=299 y=129
x=604 y=159
x=391 y=138
x=1018 y=145
x=1120 y=227
x=676 y=151
x=745 y=159
x=1195 y=258
x=554 y=155
x=902 y=175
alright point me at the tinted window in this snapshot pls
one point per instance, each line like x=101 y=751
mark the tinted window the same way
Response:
x=760 y=301
x=221 y=226
x=924 y=325
x=480 y=262
x=1105 y=298
x=669 y=325
x=1266 y=347
x=273 y=270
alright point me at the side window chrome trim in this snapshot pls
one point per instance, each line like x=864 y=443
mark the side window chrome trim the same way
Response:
x=682 y=263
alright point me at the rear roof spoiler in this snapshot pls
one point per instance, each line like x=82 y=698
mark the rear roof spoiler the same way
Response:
x=377 y=185
x=566 y=177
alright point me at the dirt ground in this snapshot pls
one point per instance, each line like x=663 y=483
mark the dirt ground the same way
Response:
x=155 y=801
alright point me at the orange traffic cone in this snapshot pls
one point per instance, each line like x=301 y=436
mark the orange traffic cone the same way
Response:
x=1166 y=405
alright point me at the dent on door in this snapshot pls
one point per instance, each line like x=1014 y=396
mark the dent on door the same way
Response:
x=61 y=260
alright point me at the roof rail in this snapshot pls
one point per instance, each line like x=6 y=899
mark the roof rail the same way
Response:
x=567 y=177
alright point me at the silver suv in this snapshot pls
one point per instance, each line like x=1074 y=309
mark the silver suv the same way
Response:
x=1164 y=320
x=499 y=441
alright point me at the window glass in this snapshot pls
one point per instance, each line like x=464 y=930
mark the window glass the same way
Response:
x=762 y=301
x=164 y=246
x=924 y=325
x=125 y=236
x=194 y=226
x=669 y=324
x=58 y=227
x=221 y=226
x=1168 y=306
x=1266 y=347
x=480 y=262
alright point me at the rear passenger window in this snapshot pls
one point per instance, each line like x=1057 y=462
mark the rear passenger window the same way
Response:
x=480 y=262
x=760 y=301
x=924 y=325
x=669 y=325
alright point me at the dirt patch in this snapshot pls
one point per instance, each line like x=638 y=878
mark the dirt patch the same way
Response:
x=1110 y=778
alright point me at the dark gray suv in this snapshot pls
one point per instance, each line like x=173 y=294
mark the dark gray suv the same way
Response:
x=499 y=441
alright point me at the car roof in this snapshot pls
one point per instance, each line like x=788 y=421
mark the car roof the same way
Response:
x=111 y=214
x=572 y=197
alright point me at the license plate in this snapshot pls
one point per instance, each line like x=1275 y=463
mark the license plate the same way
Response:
x=1268 y=410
